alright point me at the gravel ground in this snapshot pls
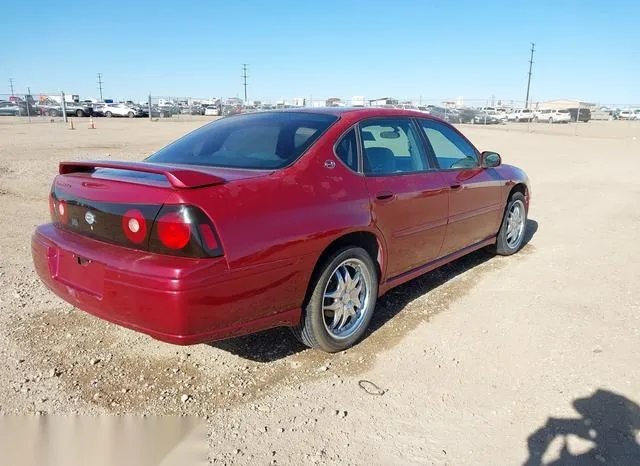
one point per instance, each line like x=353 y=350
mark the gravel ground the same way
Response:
x=488 y=360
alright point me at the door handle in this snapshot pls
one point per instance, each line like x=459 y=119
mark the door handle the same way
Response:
x=385 y=196
x=455 y=187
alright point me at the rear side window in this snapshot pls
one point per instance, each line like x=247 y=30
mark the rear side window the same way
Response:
x=347 y=150
x=257 y=140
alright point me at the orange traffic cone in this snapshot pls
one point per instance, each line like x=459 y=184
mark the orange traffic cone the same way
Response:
x=71 y=124
x=91 y=125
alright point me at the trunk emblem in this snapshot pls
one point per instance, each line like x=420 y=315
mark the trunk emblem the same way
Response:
x=90 y=217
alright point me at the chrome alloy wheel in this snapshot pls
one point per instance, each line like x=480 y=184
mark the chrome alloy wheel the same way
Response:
x=346 y=298
x=515 y=224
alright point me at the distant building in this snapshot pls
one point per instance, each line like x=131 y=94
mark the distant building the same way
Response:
x=383 y=101
x=565 y=103
x=357 y=101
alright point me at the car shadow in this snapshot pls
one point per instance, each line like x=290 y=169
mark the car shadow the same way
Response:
x=608 y=420
x=272 y=345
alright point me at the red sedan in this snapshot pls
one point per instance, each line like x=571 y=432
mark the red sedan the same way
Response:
x=288 y=218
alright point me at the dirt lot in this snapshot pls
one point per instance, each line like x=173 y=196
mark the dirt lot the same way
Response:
x=486 y=361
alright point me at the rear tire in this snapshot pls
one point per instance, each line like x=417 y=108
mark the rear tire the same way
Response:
x=53 y=113
x=108 y=114
x=131 y=114
x=355 y=300
x=513 y=228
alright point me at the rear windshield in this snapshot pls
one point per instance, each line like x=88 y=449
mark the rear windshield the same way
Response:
x=258 y=140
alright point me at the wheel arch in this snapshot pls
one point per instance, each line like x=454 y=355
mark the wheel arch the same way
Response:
x=369 y=241
x=520 y=187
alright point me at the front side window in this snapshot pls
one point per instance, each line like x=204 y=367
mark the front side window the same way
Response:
x=391 y=146
x=451 y=150
x=257 y=140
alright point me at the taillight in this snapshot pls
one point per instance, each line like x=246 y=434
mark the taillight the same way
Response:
x=183 y=230
x=134 y=226
x=174 y=230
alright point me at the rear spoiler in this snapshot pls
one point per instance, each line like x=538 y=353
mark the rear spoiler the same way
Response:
x=179 y=176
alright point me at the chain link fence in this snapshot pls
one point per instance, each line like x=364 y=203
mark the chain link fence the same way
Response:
x=559 y=116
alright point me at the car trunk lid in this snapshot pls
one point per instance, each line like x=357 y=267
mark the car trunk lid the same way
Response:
x=100 y=199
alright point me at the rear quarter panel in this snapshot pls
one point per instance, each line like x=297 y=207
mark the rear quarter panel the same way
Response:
x=274 y=228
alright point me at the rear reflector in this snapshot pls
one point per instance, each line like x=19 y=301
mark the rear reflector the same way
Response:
x=63 y=211
x=134 y=226
x=173 y=231
x=209 y=239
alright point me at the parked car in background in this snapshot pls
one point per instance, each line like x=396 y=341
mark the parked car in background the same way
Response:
x=580 y=114
x=78 y=109
x=19 y=108
x=466 y=114
x=49 y=108
x=499 y=114
x=97 y=109
x=212 y=110
x=489 y=117
x=549 y=115
x=122 y=110
x=445 y=114
x=197 y=109
x=626 y=115
x=636 y=114
x=520 y=115
x=211 y=237
x=228 y=110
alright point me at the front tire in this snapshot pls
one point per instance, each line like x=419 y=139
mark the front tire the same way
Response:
x=341 y=301
x=514 y=224
x=79 y=113
x=108 y=114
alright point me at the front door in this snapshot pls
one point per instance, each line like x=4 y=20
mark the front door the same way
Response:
x=475 y=211
x=408 y=196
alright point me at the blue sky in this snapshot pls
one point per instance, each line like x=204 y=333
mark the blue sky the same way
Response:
x=584 y=49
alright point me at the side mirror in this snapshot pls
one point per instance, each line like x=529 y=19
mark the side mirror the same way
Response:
x=490 y=159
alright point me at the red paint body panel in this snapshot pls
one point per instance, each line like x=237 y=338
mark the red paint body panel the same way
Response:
x=413 y=220
x=273 y=227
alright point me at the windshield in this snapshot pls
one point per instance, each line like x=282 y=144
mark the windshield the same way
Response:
x=259 y=140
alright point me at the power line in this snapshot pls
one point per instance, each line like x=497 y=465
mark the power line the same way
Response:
x=526 y=103
x=244 y=80
x=11 y=85
x=100 y=86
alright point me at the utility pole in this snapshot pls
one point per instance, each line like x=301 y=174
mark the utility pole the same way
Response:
x=100 y=86
x=28 y=99
x=526 y=103
x=11 y=85
x=244 y=80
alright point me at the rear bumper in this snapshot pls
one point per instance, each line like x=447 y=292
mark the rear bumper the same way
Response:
x=173 y=299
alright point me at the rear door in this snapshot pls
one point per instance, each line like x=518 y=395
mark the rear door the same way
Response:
x=474 y=192
x=408 y=197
